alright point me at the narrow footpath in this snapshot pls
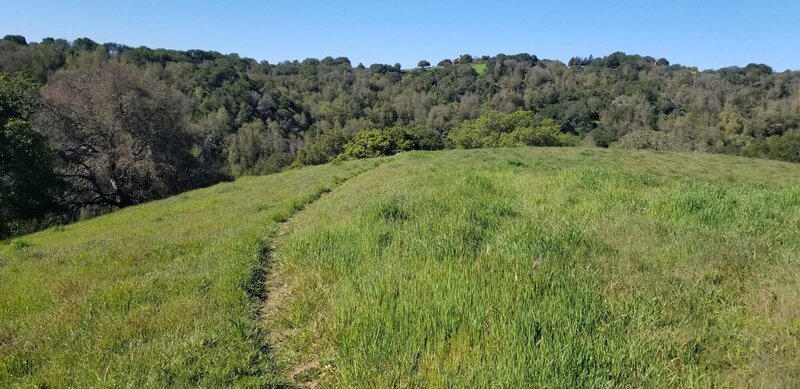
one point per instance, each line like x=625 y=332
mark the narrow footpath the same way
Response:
x=306 y=374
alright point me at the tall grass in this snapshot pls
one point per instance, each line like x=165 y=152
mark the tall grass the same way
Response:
x=553 y=268
x=161 y=294
x=510 y=267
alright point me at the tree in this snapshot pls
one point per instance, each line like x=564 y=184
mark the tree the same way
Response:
x=84 y=44
x=119 y=135
x=18 y=39
x=627 y=113
x=445 y=62
x=254 y=150
x=423 y=64
x=28 y=184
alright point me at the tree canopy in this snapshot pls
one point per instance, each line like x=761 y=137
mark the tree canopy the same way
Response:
x=29 y=188
x=119 y=135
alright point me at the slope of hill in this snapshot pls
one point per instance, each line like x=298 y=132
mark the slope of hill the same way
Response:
x=544 y=267
x=158 y=294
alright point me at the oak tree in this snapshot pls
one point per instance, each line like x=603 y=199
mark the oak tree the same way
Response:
x=119 y=135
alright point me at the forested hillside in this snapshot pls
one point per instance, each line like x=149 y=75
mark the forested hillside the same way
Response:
x=103 y=126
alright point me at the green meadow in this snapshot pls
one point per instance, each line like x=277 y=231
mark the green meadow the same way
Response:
x=528 y=267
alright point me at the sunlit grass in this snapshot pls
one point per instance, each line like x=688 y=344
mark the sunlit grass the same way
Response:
x=161 y=294
x=554 y=268
x=511 y=267
x=479 y=68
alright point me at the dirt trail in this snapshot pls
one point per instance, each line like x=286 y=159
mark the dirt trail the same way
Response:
x=306 y=374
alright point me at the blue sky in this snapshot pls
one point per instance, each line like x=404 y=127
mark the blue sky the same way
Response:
x=706 y=34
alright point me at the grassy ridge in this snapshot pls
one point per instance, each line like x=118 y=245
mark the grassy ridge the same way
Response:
x=154 y=295
x=509 y=267
x=555 y=268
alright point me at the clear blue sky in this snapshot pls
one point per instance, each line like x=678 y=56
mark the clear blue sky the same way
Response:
x=706 y=34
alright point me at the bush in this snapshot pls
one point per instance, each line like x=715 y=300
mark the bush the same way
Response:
x=546 y=134
x=376 y=143
x=653 y=140
x=389 y=141
x=323 y=148
x=425 y=138
x=785 y=147
x=497 y=129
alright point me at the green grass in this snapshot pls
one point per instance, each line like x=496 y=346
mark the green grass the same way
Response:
x=480 y=68
x=161 y=294
x=510 y=267
x=546 y=268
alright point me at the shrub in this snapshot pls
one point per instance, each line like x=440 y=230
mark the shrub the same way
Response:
x=425 y=138
x=376 y=143
x=785 y=147
x=497 y=129
x=389 y=141
x=323 y=148
x=653 y=140
x=546 y=134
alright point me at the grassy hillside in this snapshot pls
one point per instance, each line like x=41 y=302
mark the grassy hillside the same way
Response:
x=508 y=267
x=152 y=295
x=545 y=267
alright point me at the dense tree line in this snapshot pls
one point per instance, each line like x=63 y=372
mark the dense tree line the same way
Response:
x=29 y=187
x=114 y=125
